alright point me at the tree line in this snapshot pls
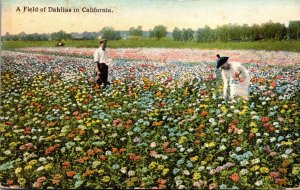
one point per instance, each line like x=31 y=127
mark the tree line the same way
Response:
x=224 y=33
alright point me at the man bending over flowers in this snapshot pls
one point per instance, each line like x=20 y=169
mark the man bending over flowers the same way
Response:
x=236 y=75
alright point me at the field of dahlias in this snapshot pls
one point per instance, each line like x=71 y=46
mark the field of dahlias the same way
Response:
x=161 y=123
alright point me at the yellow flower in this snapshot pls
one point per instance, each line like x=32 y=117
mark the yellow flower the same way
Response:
x=100 y=171
x=32 y=162
x=28 y=167
x=48 y=166
x=242 y=112
x=22 y=182
x=106 y=179
x=152 y=165
x=254 y=130
x=282 y=111
x=196 y=176
x=194 y=159
x=12 y=145
x=285 y=106
x=264 y=170
x=182 y=139
x=252 y=124
x=203 y=162
x=165 y=171
x=160 y=167
x=255 y=168
x=18 y=170
x=286 y=143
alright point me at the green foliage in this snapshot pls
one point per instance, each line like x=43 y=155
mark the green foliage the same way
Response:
x=159 y=32
x=164 y=42
x=110 y=33
x=294 y=30
x=136 y=31
x=61 y=35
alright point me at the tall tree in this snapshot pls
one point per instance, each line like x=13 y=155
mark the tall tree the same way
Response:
x=160 y=31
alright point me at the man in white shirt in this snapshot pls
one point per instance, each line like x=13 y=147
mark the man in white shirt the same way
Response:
x=100 y=60
x=237 y=76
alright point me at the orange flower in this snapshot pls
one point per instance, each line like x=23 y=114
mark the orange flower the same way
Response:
x=157 y=123
x=203 y=113
x=65 y=165
x=90 y=152
x=283 y=170
x=285 y=163
x=96 y=150
x=70 y=136
x=171 y=150
x=9 y=182
x=37 y=184
x=197 y=142
x=251 y=135
x=41 y=179
x=87 y=173
x=70 y=173
x=102 y=157
x=234 y=177
x=280 y=181
x=122 y=150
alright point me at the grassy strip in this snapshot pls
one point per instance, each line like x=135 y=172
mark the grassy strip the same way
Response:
x=293 y=46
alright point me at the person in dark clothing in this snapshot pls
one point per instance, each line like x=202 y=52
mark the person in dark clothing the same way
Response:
x=100 y=60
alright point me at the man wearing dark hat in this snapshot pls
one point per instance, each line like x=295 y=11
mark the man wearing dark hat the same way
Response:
x=100 y=60
x=237 y=76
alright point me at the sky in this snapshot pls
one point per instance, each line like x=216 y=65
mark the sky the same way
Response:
x=146 y=13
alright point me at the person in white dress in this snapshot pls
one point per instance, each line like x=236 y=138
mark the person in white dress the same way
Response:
x=236 y=75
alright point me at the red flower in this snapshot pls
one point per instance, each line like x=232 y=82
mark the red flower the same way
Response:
x=203 y=113
x=264 y=119
x=9 y=123
x=9 y=182
x=234 y=177
x=70 y=173
x=274 y=174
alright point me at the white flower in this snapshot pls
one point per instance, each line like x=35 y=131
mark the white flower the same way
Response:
x=7 y=152
x=201 y=168
x=272 y=139
x=153 y=144
x=243 y=171
x=42 y=159
x=131 y=173
x=240 y=131
x=63 y=150
x=164 y=157
x=284 y=156
x=237 y=149
x=108 y=153
x=123 y=170
x=244 y=162
x=186 y=172
x=182 y=149
x=190 y=150
x=78 y=149
x=181 y=187
x=40 y=168
x=222 y=147
x=258 y=134
x=178 y=182
x=259 y=183
x=289 y=151
x=258 y=141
